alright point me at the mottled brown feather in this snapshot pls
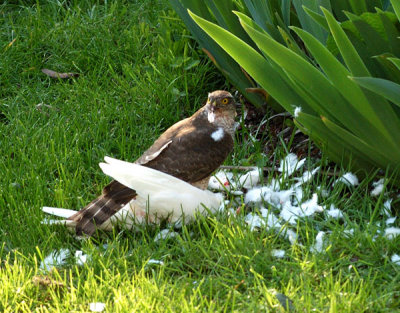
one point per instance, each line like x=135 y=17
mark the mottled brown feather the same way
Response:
x=186 y=150
x=113 y=197
x=192 y=154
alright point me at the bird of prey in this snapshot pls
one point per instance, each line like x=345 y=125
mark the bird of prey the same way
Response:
x=189 y=150
x=159 y=196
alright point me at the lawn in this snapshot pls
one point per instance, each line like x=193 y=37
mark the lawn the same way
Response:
x=140 y=72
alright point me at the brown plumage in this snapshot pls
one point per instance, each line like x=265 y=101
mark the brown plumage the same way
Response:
x=189 y=150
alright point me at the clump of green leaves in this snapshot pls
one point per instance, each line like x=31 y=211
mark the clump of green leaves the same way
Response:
x=344 y=103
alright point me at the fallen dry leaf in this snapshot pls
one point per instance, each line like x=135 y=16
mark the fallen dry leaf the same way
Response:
x=41 y=105
x=47 y=282
x=259 y=91
x=54 y=74
x=210 y=56
x=10 y=44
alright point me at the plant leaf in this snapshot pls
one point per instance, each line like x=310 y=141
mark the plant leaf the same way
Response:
x=360 y=109
x=349 y=53
x=253 y=63
x=383 y=87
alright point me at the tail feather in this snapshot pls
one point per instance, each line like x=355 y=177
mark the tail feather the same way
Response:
x=168 y=195
x=66 y=213
x=114 y=197
x=68 y=223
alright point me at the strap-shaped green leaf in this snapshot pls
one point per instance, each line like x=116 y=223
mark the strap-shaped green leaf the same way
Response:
x=307 y=23
x=253 y=63
x=391 y=32
x=383 y=87
x=335 y=147
x=361 y=147
x=358 y=107
x=396 y=7
x=349 y=53
x=358 y=6
x=329 y=99
x=223 y=61
x=285 y=4
x=319 y=18
x=395 y=61
x=374 y=41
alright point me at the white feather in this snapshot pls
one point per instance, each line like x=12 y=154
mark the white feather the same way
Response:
x=159 y=195
x=66 y=213
x=218 y=134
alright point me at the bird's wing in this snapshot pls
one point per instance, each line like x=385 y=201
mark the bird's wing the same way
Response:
x=191 y=154
x=162 y=142
x=164 y=192
x=114 y=196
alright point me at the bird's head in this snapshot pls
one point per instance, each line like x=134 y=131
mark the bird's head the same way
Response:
x=221 y=103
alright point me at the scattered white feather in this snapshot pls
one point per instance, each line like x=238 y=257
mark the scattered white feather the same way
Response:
x=280 y=198
x=387 y=210
x=278 y=253
x=297 y=111
x=97 y=306
x=254 y=221
x=267 y=219
x=221 y=180
x=390 y=220
x=290 y=164
x=349 y=232
x=349 y=179
x=291 y=213
x=291 y=236
x=54 y=259
x=271 y=220
x=250 y=179
x=307 y=175
x=378 y=187
x=257 y=194
x=311 y=206
x=334 y=212
x=323 y=192
x=318 y=247
x=153 y=261
x=223 y=205
x=392 y=232
x=80 y=258
x=165 y=234
x=275 y=184
x=218 y=134
x=395 y=259
x=298 y=195
x=269 y=195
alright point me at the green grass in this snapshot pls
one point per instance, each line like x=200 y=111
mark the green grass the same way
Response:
x=138 y=76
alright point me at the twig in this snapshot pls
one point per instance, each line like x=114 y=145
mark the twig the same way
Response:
x=245 y=168
x=265 y=169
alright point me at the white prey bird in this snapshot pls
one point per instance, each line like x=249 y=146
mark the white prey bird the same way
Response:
x=159 y=197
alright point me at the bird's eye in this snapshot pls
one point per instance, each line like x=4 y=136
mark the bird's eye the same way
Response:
x=225 y=101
